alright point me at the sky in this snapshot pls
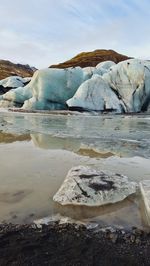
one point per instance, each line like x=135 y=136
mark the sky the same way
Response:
x=45 y=32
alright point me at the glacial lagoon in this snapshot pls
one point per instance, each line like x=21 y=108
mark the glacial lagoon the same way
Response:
x=37 y=150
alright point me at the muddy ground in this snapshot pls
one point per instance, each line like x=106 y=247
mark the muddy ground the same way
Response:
x=72 y=245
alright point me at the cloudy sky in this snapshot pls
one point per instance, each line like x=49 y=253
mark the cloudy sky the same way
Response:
x=43 y=32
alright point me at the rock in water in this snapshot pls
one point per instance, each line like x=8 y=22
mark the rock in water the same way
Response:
x=89 y=187
x=95 y=95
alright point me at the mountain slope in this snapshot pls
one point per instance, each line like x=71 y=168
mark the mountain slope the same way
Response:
x=92 y=59
x=8 y=68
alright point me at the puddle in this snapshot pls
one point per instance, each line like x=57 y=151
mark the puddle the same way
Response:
x=37 y=152
x=9 y=138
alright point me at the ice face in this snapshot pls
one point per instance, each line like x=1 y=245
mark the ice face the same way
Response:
x=130 y=80
x=95 y=94
x=123 y=87
x=48 y=89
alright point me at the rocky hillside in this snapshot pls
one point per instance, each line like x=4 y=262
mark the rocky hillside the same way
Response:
x=92 y=59
x=8 y=68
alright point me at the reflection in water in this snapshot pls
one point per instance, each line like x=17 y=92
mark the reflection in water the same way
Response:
x=93 y=153
x=124 y=135
x=9 y=138
x=45 y=141
x=115 y=214
x=34 y=175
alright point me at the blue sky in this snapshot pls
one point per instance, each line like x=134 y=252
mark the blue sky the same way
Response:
x=43 y=32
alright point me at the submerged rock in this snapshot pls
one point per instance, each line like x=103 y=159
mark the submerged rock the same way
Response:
x=86 y=186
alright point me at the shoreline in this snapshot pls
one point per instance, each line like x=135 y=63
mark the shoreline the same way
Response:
x=69 y=112
x=71 y=244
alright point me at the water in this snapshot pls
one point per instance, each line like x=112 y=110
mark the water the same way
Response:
x=37 y=150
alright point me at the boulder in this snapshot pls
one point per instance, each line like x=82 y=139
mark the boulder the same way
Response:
x=89 y=187
x=95 y=95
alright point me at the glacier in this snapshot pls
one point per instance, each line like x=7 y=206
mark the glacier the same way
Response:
x=48 y=89
x=122 y=87
x=128 y=80
x=96 y=95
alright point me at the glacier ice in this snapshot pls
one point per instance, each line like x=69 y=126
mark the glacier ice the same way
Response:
x=130 y=80
x=95 y=94
x=128 y=89
x=14 y=82
x=105 y=65
x=122 y=87
x=48 y=89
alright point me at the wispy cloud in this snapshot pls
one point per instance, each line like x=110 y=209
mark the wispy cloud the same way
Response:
x=44 y=32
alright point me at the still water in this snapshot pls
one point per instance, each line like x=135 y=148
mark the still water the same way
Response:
x=37 y=150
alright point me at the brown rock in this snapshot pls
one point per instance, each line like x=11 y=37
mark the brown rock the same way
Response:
x=8 y=69
x=92 y=59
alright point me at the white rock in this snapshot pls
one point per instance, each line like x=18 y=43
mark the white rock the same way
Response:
x=95 y=94
x=145 y=191
x=86 y=186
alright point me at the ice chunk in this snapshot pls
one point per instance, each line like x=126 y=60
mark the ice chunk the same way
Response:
x=145 y=191
x=105 y=65
x=14 y=82
x=86 y=186
x=130 y=80
x=95 y=94
x=48 y=89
